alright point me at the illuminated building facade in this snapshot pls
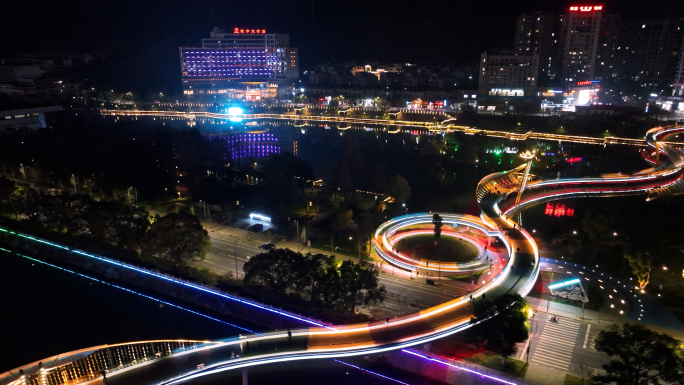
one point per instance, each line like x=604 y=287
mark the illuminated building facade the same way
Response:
x=678 y=86
x=243 y=64
x=586 y=43
x=508 y=71
x=535 y=34
x=580 y=37
x=658 y=45
x=584 y=92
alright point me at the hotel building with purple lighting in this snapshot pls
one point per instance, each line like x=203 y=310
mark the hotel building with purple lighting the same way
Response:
x=244 y=64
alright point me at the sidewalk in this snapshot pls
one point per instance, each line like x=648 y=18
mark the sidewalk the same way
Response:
x=543 y=375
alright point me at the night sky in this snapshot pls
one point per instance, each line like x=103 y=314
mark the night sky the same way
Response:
x=352 y=30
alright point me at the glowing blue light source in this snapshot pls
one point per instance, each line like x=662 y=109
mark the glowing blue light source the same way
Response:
x=235 y=111
x=565 y=283
x=235 y=114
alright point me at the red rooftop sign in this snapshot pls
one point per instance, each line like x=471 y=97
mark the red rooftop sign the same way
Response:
x=558 y=210
x=255 y=31
x=586 y=8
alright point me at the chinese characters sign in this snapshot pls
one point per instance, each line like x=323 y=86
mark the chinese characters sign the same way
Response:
x=558 y=210
x=254 y=31
x=587 y=8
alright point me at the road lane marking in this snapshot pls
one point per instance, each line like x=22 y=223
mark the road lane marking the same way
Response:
x=586 y=337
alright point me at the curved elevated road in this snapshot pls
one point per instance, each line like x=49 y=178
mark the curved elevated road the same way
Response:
x=494 y=194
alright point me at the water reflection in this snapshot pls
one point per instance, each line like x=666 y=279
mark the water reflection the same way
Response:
x=248 y=144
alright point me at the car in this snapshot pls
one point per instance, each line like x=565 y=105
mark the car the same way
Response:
x=256 y=228
x=267 y=246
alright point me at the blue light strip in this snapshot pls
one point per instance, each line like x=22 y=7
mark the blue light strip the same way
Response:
x=458 y=367
x=371 y=372
x=566 y=283
x=130 y=291
x=175 y=281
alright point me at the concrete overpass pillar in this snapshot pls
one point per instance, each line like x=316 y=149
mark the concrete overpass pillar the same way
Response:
x=245 y=378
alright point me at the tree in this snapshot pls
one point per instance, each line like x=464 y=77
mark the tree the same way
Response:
x=400 y=189
x=598 y=224
x=61 y=212
x=117 y=223
x=505 y=325
x=358 y=286
x=277 y=269
x=641 y=263
x=282 y=174
x=344 y=220
x=437 y=221
x=645 y=356
x=177 y=238
x=7 y=189
x=318 y=272
x=302 y=236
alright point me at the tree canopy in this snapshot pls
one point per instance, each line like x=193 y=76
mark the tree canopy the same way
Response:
x=316 y=277
x=644 y=356
x=400 y=189
x=505 y=325
x=437 y=221
x=277 y=269
x=176 y=238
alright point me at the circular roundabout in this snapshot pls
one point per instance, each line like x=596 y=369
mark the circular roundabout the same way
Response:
x=467 y=244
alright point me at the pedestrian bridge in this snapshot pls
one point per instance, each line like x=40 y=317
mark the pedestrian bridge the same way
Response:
x=174 y=362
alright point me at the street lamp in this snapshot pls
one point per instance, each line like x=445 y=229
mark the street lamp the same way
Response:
x=204 y=209
x=236 y=268
x=297 y=235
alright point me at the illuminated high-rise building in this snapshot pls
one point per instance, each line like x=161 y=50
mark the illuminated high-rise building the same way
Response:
x=507 y=73
x=580 y=39
x=615 y=51
x=657 y=44
x=678 y=86
x=535 y=35
x=243 y=64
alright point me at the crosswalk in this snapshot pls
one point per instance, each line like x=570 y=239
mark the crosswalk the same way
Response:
x=556 y=344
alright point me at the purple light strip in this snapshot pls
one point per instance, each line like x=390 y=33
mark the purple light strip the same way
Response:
x=457 y=367
x=371 y=372
x=130 y=291
x=169 y=279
